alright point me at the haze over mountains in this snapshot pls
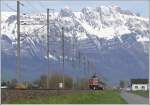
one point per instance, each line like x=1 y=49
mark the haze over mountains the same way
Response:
x=114 y=40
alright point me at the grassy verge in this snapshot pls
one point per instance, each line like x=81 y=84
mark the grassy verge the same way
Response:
x=92 y=97
x=141 y=93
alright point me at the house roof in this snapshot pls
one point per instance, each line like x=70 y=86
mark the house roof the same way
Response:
x=139 y=81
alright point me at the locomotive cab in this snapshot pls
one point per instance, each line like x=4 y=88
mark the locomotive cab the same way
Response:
x=95 y=83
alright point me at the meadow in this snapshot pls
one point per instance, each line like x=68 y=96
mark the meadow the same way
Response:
x=90 y=97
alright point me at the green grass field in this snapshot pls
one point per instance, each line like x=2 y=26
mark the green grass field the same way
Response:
x=141 y=93
x=92 y=97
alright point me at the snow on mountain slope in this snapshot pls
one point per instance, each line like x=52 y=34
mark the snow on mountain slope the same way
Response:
x=108 y=32
x=112 y=18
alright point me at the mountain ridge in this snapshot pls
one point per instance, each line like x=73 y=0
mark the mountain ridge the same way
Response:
x=101 y=30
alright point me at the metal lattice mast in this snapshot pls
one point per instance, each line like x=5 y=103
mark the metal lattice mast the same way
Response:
x=84 y=65
x=79 y=55
x=75 y=58
x=18 y=42
x=63 y=81
x=72 y=59
x=76 y=55
x=101 y=18
x=48 y=48
x=88 y=67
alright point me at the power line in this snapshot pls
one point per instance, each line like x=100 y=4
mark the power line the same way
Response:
x=37 y=30
x=41 y=5
x=32 y=6
x=10 y=8
x=26 y=11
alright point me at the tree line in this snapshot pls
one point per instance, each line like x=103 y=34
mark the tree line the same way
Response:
x=53 y=81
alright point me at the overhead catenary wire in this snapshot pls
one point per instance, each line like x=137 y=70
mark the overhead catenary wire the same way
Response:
x=37 y=30
x=25 y=11
x=10 y=8
x=41 y=5
x=33 y=8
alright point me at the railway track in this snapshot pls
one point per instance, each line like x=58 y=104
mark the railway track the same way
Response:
x=14 y=94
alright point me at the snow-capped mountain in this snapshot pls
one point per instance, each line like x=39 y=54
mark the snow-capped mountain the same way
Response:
x=114 y=40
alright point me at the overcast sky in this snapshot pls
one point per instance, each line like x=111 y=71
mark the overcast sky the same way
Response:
x=140 y=6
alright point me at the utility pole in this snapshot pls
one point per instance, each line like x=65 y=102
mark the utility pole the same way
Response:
x=85 y=70
x=72 y=47
x=63 y=81
x=93 y=67
x=79 y=55
x=18 y=42
x=88 y=68
x=79 y=64
x=84 y=66
x=48 y=48
x=101 y=17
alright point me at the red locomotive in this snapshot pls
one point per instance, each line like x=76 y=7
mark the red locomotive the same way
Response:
x=95 y=83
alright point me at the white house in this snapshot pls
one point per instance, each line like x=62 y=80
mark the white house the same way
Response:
x=139 y=84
